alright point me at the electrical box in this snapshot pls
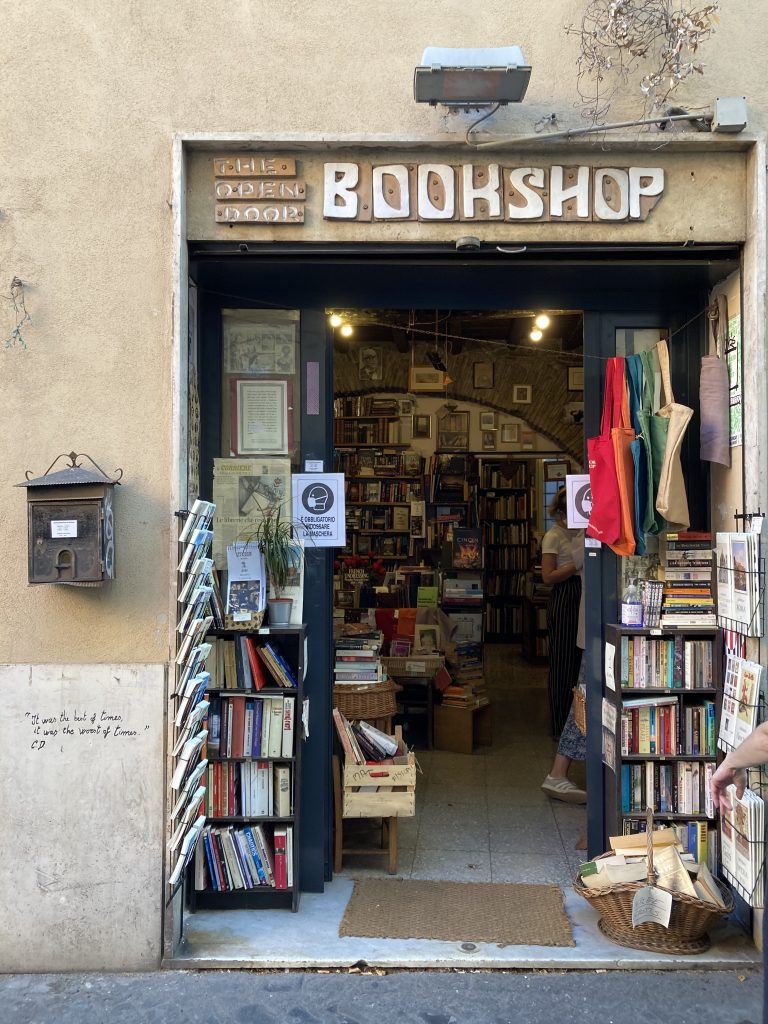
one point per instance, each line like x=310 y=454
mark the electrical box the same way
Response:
x=730 y=114
x=71 y=528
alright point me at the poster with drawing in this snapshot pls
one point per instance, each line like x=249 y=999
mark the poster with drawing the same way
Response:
x=247 y=490
x=257 y=342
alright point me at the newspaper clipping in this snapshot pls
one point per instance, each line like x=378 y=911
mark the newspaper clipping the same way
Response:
x=245 y=491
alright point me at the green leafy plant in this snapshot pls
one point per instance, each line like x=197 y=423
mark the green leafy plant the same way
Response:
x=275 y=538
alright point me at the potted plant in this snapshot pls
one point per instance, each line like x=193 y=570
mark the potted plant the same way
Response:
x=282 y=553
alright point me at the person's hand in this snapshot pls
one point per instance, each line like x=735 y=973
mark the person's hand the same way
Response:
x=724 y=777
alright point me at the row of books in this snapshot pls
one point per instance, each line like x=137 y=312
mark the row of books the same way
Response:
x=507 y=619
x=378 y=463
x=248 y=789
x=651 y=593
x=249 y=663
x=742 y=841
x=738 y=581
x=378 y=518
x=374 y=492
x=662 y=727
x=362 y=742
x=743 y=689
x=507 y=559
x=687 y=595
x=665 y=662
x=507 y=533
x=512 y=584
x=245 y=858
x=503 y=506
x=681 y=787
x=251 y=727
x=448 y=477
x=365 y=405
x=358 y=659
x=510 y=474
x=381 y=430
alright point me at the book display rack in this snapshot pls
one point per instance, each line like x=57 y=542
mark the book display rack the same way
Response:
x=659 y=730
x=188 y=761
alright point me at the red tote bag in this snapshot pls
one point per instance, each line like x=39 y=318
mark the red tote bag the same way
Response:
x=622 y=436
x=605 y=518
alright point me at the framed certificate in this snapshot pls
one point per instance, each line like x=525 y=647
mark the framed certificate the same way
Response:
x=260 y=416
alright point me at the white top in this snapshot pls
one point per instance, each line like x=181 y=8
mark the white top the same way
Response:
x=568 y=546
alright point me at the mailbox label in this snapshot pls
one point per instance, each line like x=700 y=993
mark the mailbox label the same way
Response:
x=63 y=528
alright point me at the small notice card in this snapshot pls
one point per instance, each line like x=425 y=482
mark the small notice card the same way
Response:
x=651 y=905
x=610 y=654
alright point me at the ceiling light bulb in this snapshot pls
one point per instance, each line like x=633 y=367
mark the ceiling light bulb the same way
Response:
x=535 y=334
x=542 y=320
x=335 y=320
x=347 y=331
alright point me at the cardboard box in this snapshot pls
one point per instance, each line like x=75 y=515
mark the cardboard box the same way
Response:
x=461 y=729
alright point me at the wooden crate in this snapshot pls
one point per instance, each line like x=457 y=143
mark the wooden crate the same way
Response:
x=396 y=795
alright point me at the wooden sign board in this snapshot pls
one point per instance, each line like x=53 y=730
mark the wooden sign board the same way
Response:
x=489 y=192
x=257 y=189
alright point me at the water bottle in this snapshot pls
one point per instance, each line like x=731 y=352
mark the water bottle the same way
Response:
x=631 y=606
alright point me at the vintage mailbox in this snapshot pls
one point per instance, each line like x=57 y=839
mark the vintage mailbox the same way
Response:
x=71 y=524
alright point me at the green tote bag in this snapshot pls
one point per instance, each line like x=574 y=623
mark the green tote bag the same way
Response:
x=654 y=436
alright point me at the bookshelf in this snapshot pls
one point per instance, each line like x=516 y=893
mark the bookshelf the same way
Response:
x=254 y=771
x=505 y=506
x=668 y=686
x=383 y=489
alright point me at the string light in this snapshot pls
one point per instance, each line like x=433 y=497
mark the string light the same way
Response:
x=536 y=334
x=346 y=330
x=335 y=320
x=542 y=321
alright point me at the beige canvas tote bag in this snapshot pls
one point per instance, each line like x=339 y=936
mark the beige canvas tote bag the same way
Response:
x=671 y=499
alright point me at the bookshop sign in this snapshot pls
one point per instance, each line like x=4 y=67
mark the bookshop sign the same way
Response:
x=268 y=189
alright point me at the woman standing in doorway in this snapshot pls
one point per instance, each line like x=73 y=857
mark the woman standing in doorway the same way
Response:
x=559 y=570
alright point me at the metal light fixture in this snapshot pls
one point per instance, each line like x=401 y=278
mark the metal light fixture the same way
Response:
x=471 y=77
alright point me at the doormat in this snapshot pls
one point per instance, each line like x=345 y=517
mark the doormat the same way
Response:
x=507 y=914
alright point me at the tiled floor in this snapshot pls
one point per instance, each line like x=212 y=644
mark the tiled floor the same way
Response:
x=483 y=816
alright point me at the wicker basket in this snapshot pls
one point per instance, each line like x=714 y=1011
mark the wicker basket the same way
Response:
x=689 y=922
x=580 y=709
x=368 y=702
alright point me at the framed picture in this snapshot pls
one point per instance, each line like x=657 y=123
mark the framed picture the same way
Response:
x=421 y=426
x=345 y=599
x=488 y=440
x=575 y=378
x=555 y=470
x=426 y=639
x=510 y=433
x=528 y=439
x=521 y=394
x=482 y=375
x=260 y=423
x=370 y=364
x=487 y=420
x=426 y=378
x=256 y=341
x=574 y=413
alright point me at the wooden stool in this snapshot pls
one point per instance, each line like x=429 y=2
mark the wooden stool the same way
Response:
x=388 y=830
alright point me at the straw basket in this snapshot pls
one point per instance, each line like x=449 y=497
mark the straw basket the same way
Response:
x=580 y=709
x=367 y=702
x=689 y=922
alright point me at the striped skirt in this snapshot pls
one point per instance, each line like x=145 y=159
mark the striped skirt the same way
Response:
x=564 y=655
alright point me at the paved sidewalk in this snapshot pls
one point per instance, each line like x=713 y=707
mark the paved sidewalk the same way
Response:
x=407 y=997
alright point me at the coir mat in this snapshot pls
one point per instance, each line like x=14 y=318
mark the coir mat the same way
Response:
x=505 y=914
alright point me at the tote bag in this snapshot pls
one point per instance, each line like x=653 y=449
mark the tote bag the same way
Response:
x=605 y=518
x=671 y=498
x=654 y=437
x=622 y=437
x=714 y=392
x=633 y=367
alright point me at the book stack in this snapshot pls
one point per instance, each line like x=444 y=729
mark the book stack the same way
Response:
x=651 y=592
x=464 y=661
x=358 y=659
x=687 y=596
x=464 y=591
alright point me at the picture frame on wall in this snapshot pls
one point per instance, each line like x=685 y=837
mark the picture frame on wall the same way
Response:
x=487 y=420
x=370 y=364
x=575 y=378
x=453 y=432
x=555 y=470
x=426 y=378
x=260 y=423
x=521 y=394
x=488 y=440
x=421 y=426
x=510 y=433
x=482 y=375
